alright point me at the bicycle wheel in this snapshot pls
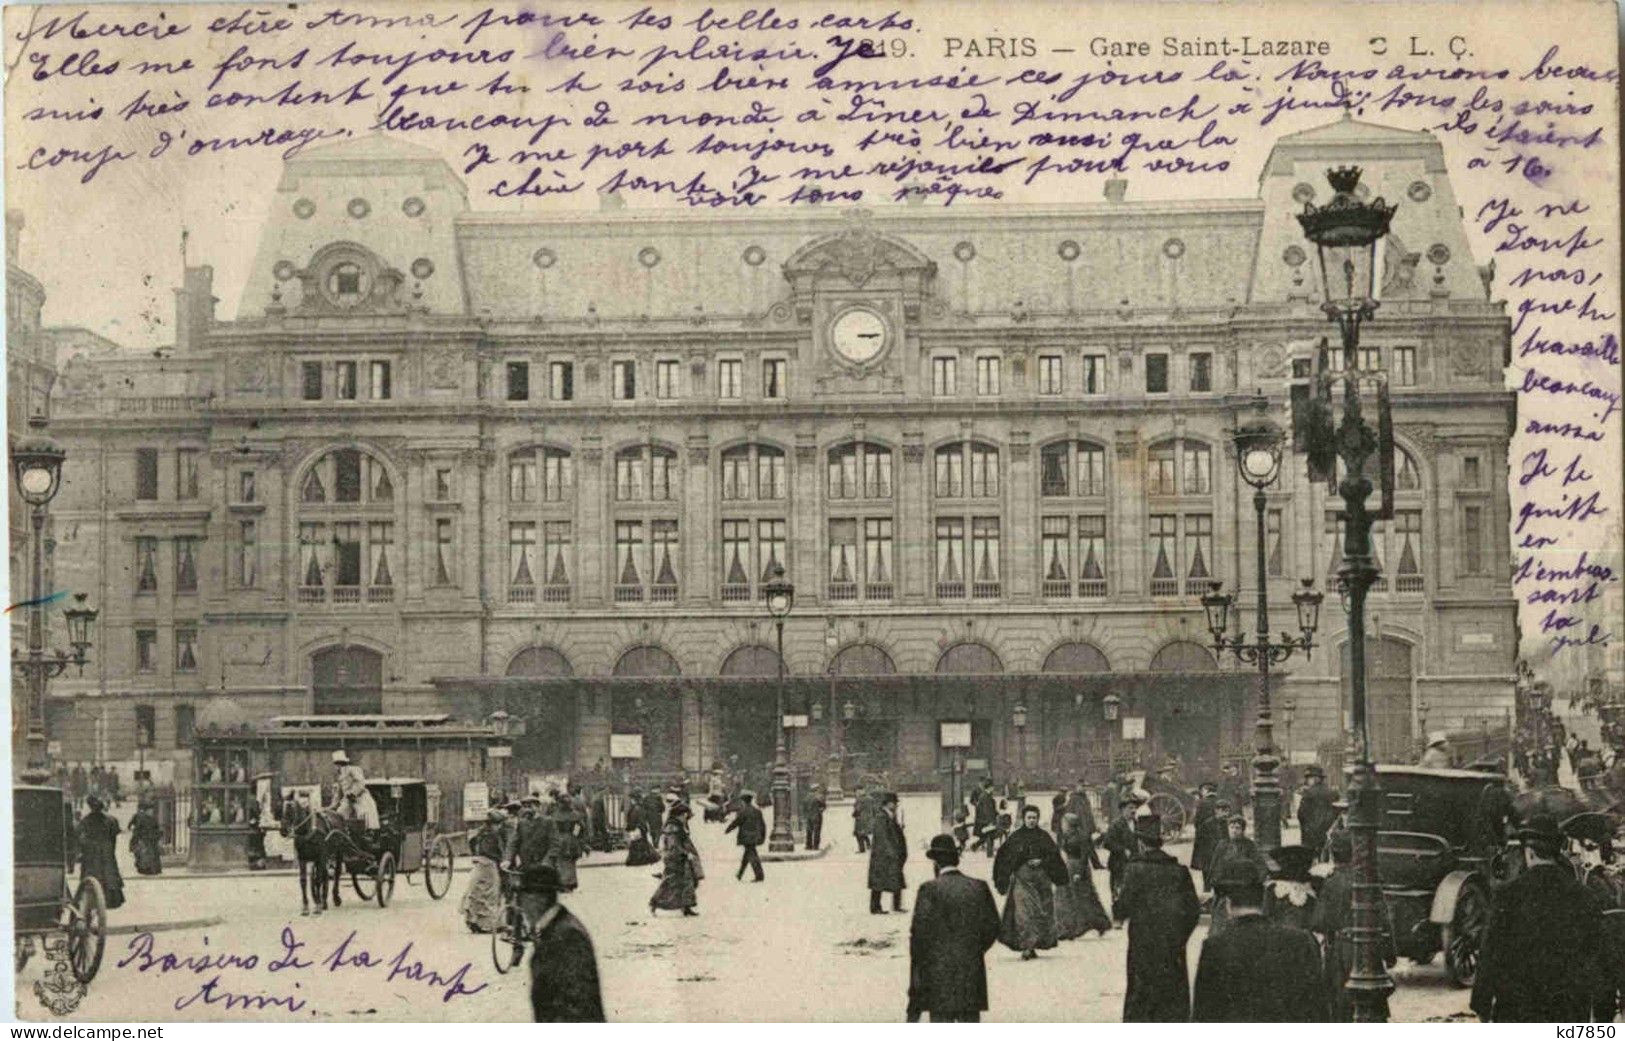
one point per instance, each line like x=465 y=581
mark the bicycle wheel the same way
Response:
x=507 y=940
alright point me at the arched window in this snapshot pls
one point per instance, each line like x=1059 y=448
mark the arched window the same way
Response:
x=1183 y=656
x=1076 y=657
x=860 y=522
x=541 y=491
x=540 y=661
x=753 y=472
x=1396 y=545
x=647 y=560
x=347 y=681
x=755 y=528
x=645 y=473
x=1072 y=470
x=346 y=520
x=969 y=658
x=1072 y=536
x=969 y=561
x=1179 y=528
x=862 y=659
x=967 y=469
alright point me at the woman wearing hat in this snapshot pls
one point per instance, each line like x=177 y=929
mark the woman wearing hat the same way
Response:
x=1289 y=897
x=1077 y=904
x=482 y=902
x=354 y=802
x=98 y=851
x=1437 y=755
x=681 y=870
x=1237 y=846
x=145 y=835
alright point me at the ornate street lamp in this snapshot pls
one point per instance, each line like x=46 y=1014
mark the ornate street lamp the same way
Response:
x=36 y=465
x=1289 y=709
x=1346 y=232
x=1018 y=716
x=780 y=595
x=1109 y=706
x=837 y=731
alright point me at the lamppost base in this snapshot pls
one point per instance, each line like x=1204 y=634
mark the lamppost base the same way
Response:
x=832 y=778
x=782 y=839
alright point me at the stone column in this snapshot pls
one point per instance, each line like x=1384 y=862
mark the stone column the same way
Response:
x=698 y=530
x=1021 y=536
x=911 y=534
x=594 y=539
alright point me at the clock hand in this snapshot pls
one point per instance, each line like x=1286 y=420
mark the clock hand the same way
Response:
x=868 y=336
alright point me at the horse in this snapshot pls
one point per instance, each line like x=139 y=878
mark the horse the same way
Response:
x=310 y=843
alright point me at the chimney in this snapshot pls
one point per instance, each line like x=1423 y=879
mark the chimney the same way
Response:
x=14 y=235
x=914 y=193
x=194 y=308
x=608 y=201
x=1116 y=188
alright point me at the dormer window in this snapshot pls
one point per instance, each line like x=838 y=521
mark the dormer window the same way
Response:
x=345 y=282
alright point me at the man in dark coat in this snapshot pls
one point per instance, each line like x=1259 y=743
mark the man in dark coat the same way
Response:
x=1159 y=901
x=955 y=922
x=563 y=966
x=752 y=833
x=1315 y=810
x=1121 y=846
x=98 y=851
x=887 y=851
x=1233 y=788
x=986 y=819
x=1544 y=955
x=1493 y=812
x=863 y=818
x=1207 y=836
x=1077 y=804
x=654 y=814
x=1258 y=970
x=532 y=838
x=812 y=808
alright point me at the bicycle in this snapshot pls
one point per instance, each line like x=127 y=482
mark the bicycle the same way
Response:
x=511 y=933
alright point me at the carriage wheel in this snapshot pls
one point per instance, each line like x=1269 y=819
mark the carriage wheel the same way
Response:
x=87 y=930
x=1462 y=938
x=437 y=868
x=364 y=882
x=1172 y=812
x=384 y=881
x=507 y=943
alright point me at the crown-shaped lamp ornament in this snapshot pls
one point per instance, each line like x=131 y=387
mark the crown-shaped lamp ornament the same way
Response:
x=1346 y=231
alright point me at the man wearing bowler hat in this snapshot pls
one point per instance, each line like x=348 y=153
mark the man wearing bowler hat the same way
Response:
x=1543 y=958
x=887 y=851
x=1159 y=901
x=1257 y=970
x=955 y=922
x=1315 y=810
x=563 y=966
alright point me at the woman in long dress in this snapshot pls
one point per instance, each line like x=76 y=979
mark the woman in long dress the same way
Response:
x=567 y=844
x=1077 y=904
x=145 y=835
x=482 y=902
x=98 y=852
x=681 y=871
x=1028 y=866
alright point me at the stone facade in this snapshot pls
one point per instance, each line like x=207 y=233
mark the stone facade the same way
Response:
x=438 y=447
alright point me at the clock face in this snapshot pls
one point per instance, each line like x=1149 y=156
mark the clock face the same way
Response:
x=859 y=335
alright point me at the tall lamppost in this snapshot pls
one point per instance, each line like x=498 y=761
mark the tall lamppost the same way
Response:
x=1289 y=708
x=1346 y=232
x=1258 y=457
x=1109 y=706
x=1422 y=708
x=36 y=464
x=781 y=596
x=837 y=732
x=1018 y=716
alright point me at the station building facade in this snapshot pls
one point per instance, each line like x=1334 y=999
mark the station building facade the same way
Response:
x=444 y=460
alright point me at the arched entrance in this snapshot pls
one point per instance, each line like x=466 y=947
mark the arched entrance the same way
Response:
x=550 y=715
x=869 y=739
x=347 y=681
x=1193 y=725
x=974 y=659
x=651 y=709
x=1072 y=726
x=748 y=726
x=1388 y=667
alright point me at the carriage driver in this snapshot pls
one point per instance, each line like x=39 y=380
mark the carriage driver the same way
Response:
x=354 y=802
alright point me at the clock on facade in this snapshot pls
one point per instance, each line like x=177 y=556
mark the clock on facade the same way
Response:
x=859 y=335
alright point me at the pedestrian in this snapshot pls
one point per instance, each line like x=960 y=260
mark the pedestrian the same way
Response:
x=145 y=836
x=1057 y=812
x=1236 y=846
x=563 y=966
x=752 y=833
x=681 y=870
x=567 y=846
x=1159 y=902
x=887 y=851
x=1544 y=956
x=1492 y=815
x=531 y=841
x=98 y=851
x=955 y=922
x=962 y=827
x=1334 y=920
x=79 y=783
x=812 y=808
x=481 y=906
x=1078 y=804
x=1232 y=788
x=1437 y=754
x=986 y=820
x=1027 y=869
x=1315 y=810
x=1077 y=904
x=1258 y=970
x=654 y=814
x=1121 y=846
x=1209 y=828
x=863 y=817
x=1289 y=896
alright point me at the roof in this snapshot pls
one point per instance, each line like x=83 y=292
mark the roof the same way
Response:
x=1424 y=771
x=1349 y=130
x=369 y=148
x=379 y=782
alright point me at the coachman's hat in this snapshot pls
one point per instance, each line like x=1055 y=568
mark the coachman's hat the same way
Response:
x=1238 y=874
x=942 y=847
x=1541 y=832
x=539 y=878
x=1314 y=770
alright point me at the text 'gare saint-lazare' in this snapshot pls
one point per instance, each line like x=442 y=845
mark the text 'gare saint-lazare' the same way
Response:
x=1244 y=46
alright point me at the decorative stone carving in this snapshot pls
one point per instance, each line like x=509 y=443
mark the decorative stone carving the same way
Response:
x=440 y=368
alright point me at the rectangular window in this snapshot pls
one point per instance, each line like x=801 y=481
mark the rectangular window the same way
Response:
x=1407 y=551
x=556 y=561
x=729 y=377
x=146 y=565
x=561 y=381
x=736 y=475
x=246 y=491
x=146 y=474
x=774 y=371
x=380 y=539
x=1053 y=466
x=186 y=476
x=736 y=561
x=185 y=725
x=843 y=559
x=314 y=553
x=1050 y=378
x=1274 y=563
x=770 y=545
x=1303 y=368
x=248 y=554
x=1092 y=555
x=346 y=475
x=558 y=476
x=146 y=726
x=629 y=477
x=663 y=561
x=950 y=472
x=1370 y=359
x=628 y=560
x=442 y=485
x=951 y=557
x=1404 y=374
x=1094 y=374
x=1091 y=470
x=944 y=377
x=310 y=380
x=1156 y=374
x=1201 y=373
x=984 y=559
x=987 y=376
x=1472 y=540
x=984 y=472
x=1159 y=474
x=876 y=472
x=522 y=554
x=379 y=381
x=519 y=381
x=667 y=372
x=1333 y=530
x=1198 y=470
x=185 y=649
x=770 y=476
x=623 y=380
x=1164 y=544
x=444 y=554
x=661 y=467
x=146 y=650
x=186 y=565
x=1471 y=472
x=1198 y=551
x=344 y=382
x=522 y=478
x=1055 y=558
x=347 y=555
x=877 y=558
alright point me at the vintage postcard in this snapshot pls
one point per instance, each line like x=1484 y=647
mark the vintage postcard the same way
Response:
x=1014 y=512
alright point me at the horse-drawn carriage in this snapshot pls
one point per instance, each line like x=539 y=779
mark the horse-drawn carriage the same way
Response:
x=69 y=923
x=406 y=841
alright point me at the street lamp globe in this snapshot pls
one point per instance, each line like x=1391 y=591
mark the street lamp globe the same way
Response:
x=1288 y=709
x=1110 y=704
x=36 y=463
x=1019 y=716
x=1346 y=231
x=780 y=594
x=849 y=711
x=1258 y=452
